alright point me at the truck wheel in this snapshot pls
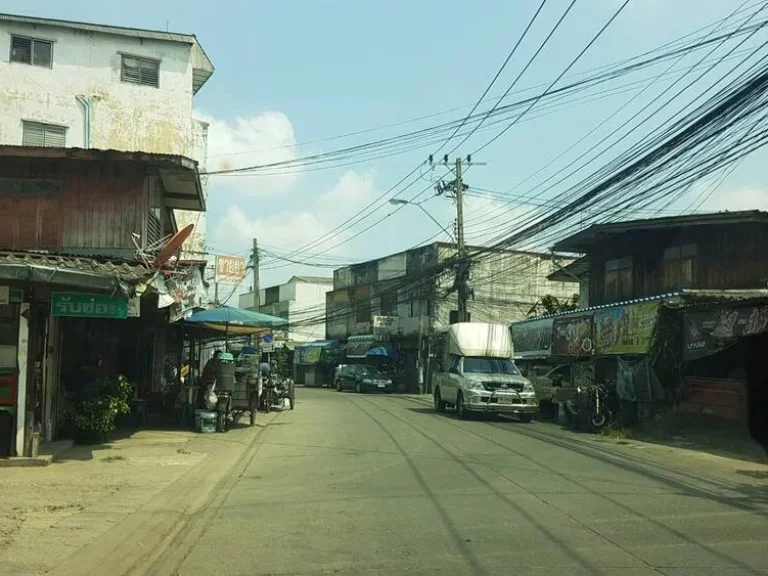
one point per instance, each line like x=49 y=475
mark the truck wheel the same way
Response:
x=525 y=417
x=461 y=410
x=439 y=404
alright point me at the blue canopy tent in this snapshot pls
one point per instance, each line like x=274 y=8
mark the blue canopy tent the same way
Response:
x=235 y=321
x=382 y=352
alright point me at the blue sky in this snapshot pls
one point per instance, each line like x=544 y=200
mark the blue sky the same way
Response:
x=300 y=71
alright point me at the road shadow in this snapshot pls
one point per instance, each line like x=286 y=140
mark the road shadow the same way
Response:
x=421 y=410
x=701 y=433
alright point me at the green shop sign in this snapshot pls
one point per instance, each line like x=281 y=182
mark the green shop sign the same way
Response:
x=88 y=305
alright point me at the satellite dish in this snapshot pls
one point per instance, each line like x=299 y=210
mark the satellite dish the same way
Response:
x=173 y=245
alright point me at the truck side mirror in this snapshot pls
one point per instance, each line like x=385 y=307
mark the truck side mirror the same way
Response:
x=453 y=370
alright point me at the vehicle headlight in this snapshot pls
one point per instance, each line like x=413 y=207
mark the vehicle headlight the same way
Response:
x=528 y=387
x=367 y=381
x=475 y=385
x=388 y=382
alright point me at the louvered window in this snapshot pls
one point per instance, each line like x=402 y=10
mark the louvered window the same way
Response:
x=31 y=51
x=140 y=71
x=39 y=134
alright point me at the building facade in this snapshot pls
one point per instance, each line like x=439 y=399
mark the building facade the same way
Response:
x=647 y=258
x=677 y=308
x=301 y=301
x=403 y=298
x=81 y=85
x=78 y=292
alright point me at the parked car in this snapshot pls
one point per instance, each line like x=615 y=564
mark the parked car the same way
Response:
x=362 y=378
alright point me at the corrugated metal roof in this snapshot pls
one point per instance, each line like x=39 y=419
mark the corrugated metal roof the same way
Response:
x=102 y=28
x=130 y=272
x=581 y=241
x=669 y=296
x=682 y=297
x=98 y=155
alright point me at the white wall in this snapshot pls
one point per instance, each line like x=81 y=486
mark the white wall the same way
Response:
x=303 y=301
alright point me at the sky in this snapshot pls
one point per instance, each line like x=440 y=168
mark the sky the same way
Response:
x=292 y=77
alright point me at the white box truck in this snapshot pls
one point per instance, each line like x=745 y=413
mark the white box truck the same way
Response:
x=472 y=371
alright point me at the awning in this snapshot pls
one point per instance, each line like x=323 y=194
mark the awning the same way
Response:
x=108 y=277
x=358 y=346
x=311 y=352
x=235 y=321
x=381 y=352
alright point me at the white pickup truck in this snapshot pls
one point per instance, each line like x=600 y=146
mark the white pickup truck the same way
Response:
x=473 y=371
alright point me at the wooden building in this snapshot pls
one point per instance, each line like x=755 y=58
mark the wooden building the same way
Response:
x=710 y=273
x=644 y=258
x=77 y=285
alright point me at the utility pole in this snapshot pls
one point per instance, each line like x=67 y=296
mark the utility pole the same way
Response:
x=256 y=289
x=455 y=189
x=462 y=273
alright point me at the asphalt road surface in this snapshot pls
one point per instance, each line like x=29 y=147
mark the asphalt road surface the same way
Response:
x=373 y=484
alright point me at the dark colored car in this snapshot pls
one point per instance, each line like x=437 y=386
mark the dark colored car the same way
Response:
x=362 y=378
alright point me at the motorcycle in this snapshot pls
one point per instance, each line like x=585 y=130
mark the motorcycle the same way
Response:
x=275 y=391
x=590 y=408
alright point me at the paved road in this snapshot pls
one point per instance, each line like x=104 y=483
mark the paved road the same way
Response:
x=358 y=484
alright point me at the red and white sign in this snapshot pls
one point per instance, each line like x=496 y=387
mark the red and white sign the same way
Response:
x=229 y=268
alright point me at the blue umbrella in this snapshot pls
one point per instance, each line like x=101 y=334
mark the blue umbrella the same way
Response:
x=381 y=351
x=227 y=317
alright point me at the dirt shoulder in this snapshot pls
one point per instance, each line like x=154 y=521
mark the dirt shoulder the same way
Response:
x=50 y=514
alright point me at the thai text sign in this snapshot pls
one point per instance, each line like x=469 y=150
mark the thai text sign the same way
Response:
x=229 y=268
x=79 y=305
x=532 y=338
x=625 y=329
x=709 y=331
x=572 y=335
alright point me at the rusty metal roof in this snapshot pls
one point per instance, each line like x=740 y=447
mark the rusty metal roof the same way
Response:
x=133 y=270
x=87 y=273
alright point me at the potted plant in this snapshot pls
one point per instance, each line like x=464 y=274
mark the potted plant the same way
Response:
x=94 y=412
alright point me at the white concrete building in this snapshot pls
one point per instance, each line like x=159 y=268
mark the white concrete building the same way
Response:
x=82 y=85
x=301 y=301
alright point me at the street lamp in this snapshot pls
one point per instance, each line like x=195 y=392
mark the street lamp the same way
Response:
x=401 y=202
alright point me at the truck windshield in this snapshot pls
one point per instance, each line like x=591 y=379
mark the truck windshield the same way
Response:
x=490 y=366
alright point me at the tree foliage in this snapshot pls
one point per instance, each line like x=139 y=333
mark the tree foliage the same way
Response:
x=552 y=305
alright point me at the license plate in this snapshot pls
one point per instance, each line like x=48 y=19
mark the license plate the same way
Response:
x=381 y=385
x=505 y=400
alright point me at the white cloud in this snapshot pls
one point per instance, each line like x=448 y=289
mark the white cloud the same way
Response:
x=255 y=140
x=293 y=228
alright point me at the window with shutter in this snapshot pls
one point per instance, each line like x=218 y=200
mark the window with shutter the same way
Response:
x=39 y=134
x=31 y=51
x=140 y=71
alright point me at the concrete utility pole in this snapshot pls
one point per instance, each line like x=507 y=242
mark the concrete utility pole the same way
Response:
x=256 y=289
x=462 y=273
x=455 y=189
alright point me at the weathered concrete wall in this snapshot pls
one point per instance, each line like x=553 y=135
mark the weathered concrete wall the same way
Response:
x=125 y=116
